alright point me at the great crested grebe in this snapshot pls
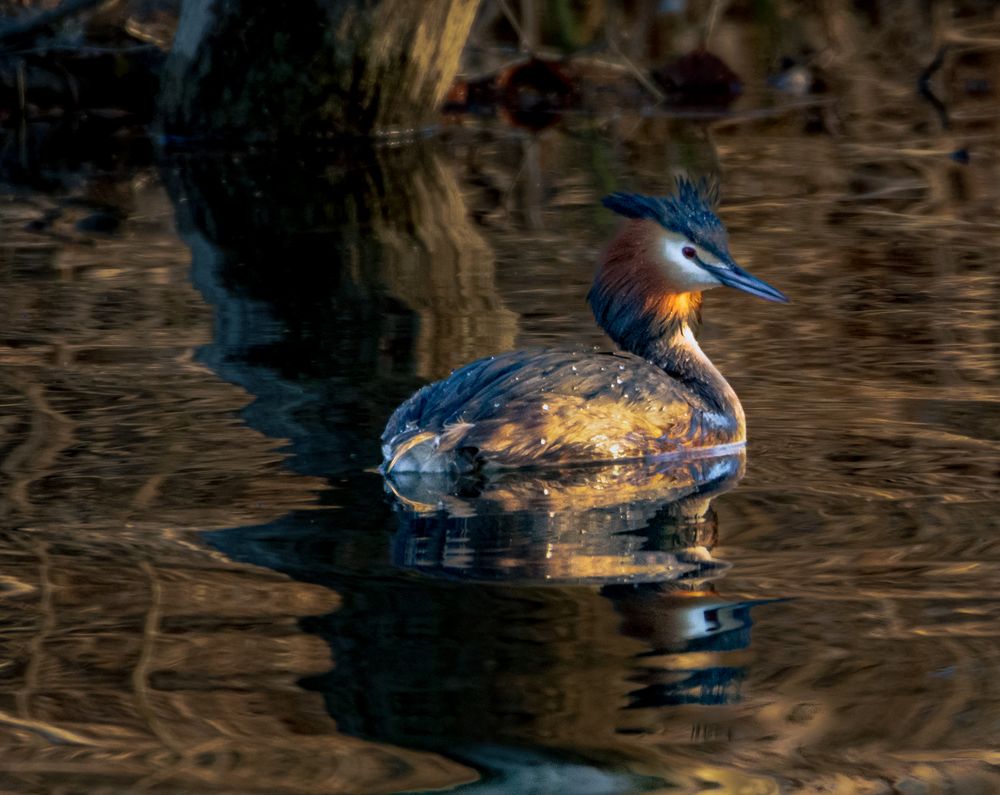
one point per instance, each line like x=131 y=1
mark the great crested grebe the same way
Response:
x=660 y=395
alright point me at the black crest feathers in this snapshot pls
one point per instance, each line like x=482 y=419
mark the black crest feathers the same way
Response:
x=689 y=211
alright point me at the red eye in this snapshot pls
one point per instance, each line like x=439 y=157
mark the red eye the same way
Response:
x=688 y=252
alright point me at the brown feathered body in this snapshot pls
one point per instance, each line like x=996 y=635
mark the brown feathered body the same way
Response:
x=658 y=396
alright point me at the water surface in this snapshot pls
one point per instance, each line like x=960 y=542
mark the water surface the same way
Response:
x=205 y=587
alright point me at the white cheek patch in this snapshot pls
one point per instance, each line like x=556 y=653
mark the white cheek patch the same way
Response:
x=685 y=272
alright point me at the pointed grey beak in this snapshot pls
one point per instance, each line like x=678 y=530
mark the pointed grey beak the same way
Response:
x=732 y=275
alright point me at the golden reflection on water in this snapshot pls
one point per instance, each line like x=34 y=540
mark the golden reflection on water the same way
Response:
x=141 y=651
x=627 y=523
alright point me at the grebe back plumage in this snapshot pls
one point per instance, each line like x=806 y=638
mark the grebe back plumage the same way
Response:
x=659 y=395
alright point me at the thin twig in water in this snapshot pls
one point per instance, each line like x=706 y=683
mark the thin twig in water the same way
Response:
x=514 y=23
x=713 y=17
x=22 y=113
x=22 y=90
x=925 y=90
x=636 y=72
x=84 y=49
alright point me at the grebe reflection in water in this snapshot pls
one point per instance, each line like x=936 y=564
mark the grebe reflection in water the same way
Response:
x=644 y=521
x=660 y=395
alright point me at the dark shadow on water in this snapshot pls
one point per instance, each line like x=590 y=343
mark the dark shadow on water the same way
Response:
x=338 y=279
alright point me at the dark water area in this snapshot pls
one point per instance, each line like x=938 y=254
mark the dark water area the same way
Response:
x=206 y=587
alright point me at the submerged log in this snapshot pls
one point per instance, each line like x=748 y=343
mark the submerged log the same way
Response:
x=252 y=71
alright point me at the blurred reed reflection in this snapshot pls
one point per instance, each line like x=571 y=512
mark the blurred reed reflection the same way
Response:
x=131 y=655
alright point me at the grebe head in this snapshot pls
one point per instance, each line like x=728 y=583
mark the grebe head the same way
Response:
x=689 y=243
x=650 y=277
